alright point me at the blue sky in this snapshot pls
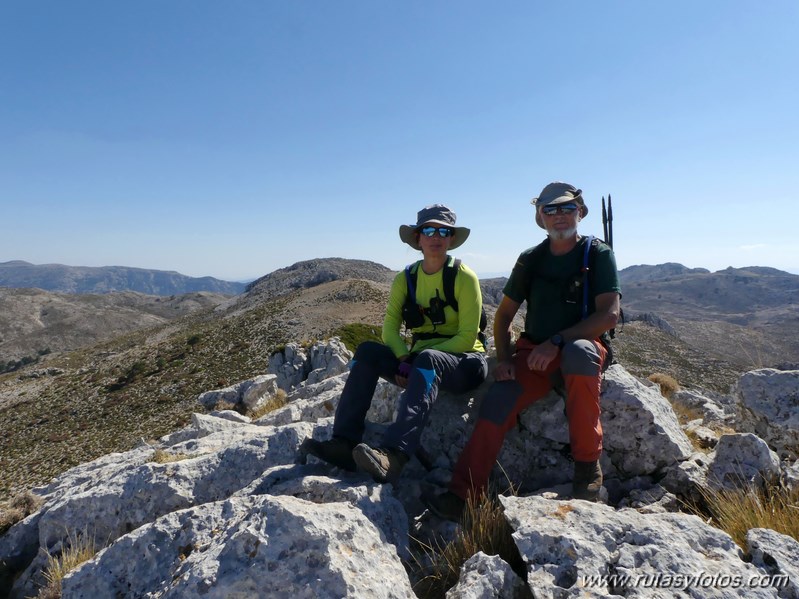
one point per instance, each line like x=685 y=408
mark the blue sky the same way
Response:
x=233 y=138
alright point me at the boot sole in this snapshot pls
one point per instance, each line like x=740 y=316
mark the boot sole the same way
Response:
x=363 y=458
x=314 y=448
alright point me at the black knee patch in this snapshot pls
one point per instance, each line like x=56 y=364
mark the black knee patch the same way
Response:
x=499 y=401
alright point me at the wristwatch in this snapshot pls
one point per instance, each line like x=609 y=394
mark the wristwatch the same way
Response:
x=557 y=340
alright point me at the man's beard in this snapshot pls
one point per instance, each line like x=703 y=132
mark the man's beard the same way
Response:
x=561 y=235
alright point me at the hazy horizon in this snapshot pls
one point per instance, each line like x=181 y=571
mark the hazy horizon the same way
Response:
x=217 y=139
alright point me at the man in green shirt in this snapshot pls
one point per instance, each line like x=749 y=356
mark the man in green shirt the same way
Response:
x=562 y=345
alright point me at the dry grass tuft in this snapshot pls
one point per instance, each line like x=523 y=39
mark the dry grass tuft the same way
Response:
x=223 y=404
x=735 y=512
x=77 y=550
x=278 y=400
x=668 y=384
x=17 y=509
x=164 y=457
x=483 y=528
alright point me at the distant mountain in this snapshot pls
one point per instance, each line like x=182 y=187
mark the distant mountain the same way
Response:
x=310 y=273
x=747 y=315
x=105 y=279
x=645 y=272
x=34 y=322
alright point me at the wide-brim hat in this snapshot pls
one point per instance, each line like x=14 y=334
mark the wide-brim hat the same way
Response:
x=558 y=193
x=435 y=215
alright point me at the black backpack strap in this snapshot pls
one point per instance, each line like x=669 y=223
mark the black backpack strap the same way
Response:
x=450 y=271
x=587 y=270
x=410 y=280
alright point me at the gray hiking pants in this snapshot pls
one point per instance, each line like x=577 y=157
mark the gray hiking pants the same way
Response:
x=431 y=370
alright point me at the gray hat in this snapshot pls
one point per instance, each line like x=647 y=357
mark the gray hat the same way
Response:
x=437 y=214
x=558 y=193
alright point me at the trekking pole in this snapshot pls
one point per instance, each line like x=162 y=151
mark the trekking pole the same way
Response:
x=610 y=222
x=604 y=220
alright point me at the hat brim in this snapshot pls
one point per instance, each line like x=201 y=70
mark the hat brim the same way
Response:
x=407 y=234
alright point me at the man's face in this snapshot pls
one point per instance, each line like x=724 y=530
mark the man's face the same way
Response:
x=560 y=220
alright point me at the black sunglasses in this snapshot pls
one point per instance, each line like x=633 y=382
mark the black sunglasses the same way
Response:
x=559 y=209
x=442 y=231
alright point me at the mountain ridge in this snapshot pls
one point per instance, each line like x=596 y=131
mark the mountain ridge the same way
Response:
x=62 y=278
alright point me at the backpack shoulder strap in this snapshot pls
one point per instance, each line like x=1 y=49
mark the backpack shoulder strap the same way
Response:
x=410 y=280
x=450 y=271
x=587 y=272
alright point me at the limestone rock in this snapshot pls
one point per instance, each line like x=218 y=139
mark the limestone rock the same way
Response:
x=742 y=460
x=713 y=407
x=768 y=402
x=778 y=555
x=250 y=394
x=689 y=477
x=642 y=434
x=295 y=365
x=576 y=548
x=260 y=546
x=484 y=576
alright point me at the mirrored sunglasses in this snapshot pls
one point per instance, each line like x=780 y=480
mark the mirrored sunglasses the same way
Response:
x=559 y=209
x=442 y=231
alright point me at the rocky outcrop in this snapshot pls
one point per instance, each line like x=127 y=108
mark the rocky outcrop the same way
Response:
x=259 y=546
x=295 y=365
x=743 y=460
x=249 y=394
x=768 y=403
x=580 y=549
x=235 y=509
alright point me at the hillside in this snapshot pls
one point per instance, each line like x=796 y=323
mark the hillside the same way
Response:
x=33 y=322
x=105 y=279
x=76 y=406
x=749 y=316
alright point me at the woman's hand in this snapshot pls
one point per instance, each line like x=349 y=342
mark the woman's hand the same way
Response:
x=403 y=372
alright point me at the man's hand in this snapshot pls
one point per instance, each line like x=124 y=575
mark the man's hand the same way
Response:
x=505 y=371
x=541 y=356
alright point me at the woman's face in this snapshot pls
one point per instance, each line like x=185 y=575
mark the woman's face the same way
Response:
x=435 y=245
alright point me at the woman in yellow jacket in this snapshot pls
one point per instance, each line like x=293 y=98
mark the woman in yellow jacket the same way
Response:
x=445 y=352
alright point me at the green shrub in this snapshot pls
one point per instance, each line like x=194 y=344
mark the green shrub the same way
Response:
x=352 y=335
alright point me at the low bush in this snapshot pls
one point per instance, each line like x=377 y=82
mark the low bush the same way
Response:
x=352 y=335
x=17 y=509
x=483 y=527
x=667 y=383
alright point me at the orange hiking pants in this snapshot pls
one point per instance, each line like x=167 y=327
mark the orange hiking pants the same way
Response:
x=579 y=365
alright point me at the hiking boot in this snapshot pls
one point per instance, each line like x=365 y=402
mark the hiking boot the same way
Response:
x=446 y=506
x=336 y=451
x=587 y=480
x=384 y=464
